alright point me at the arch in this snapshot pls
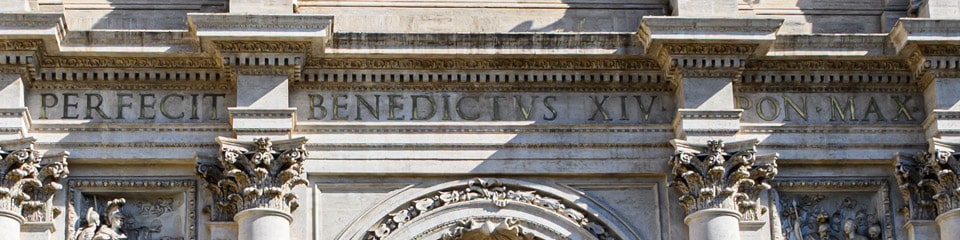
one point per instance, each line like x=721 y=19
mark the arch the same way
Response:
x=543 y=211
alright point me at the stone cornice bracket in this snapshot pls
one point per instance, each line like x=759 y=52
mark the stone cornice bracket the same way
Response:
x=258 y=174
x=263 y=44
x=706 y=47
x=28 y=181
x=929 y=46
x=721 y=175
x=928 y=181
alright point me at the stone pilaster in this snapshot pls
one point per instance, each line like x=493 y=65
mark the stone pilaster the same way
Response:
x=27 y=185
x=252 y=183
x=264 y=60
x=263 y=6
x=719 y=185
x=703 y=57
x=704 y=8
x=928 y=183
x=934 y=8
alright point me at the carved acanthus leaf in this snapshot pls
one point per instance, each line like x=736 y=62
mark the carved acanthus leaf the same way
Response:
x=254 y=176
x=28 y=183
x=499 y=195
x=929 y=183
x=714 y=178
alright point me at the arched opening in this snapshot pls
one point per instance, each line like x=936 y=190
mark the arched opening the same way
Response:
x=493 y=209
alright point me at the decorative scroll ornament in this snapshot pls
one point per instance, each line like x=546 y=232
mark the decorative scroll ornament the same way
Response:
x=28 y=184
x=486 y=190
x=807 y=217
x=717 y=179
x=471 y=229
x=105 y=226
x=929 y=183
x=254 y=176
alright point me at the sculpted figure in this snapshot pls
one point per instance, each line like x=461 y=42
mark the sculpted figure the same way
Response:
x=110 y=229
x=850 y=231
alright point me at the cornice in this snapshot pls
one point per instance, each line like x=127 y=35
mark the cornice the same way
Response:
x=563 y=63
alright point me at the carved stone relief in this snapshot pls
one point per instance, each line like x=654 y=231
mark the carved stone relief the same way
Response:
x=471 y=229
x=261 y=174
x=928 y=183
x=157 y=209
x=28 y=182
x=500 y=195
x=715 y=178
x=833 y=210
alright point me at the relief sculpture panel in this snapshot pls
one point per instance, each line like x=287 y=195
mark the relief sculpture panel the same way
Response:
x=160 y=209
x=834 y=210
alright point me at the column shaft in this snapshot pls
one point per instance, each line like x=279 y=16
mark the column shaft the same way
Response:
x=949 y=223
x=714 y=224
x=10 y=222
x=263 y=224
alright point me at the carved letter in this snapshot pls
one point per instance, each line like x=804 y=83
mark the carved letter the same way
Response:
x=44 y=105
x=837 y=110
x=373 y=112
x=872 y=107
x=763 y=115
x=902 y=108
x=496 y=108
x=316 y=102
x=91 y=106
x=394 y=102
x=789 y=102
x=553 y=111
x=193 y=106
x=446 y=108
x=415 y=114
x=744 y=103
x=144 y=106
x=337 y=106
x=121 y=105
x=214 y=106
x=163 y=106
x=525 y=111
x=460 y=108
x=600 y=110
x=645 y=110
x=67 y=105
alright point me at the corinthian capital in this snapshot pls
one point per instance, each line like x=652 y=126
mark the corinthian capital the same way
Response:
x=718 y=175
x=929 y=183
x=258 y=174
x=29 y=181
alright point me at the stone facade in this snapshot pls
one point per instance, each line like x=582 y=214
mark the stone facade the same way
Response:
x=368 y=120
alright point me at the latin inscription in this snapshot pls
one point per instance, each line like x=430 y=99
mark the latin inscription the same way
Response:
x=454 y=106
x=832 y=108
x=118 y=106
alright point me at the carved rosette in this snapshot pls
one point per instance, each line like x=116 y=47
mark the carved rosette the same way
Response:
x=254 y=175
x=929 y=184
x=486 y=190
x=717 y=179
x=28 y=183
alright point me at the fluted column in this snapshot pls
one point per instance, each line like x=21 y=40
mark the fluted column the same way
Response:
x=27 y=184
x=719 y=185
x=928 y=183
x=252 y=183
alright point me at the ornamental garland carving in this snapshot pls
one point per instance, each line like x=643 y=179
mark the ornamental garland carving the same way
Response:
x=486 y=190
x=128 y=62
x=28 y=183
x=21 y=45
x=263 y=46
x=254 y=175
x=710 y=49
x=483 y=64
x=826 y=65
x=715 y=178
x=928 y=183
